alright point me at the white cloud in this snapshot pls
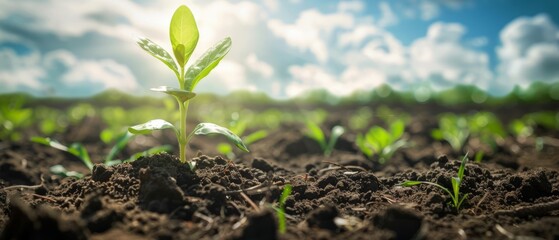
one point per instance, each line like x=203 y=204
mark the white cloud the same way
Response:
x=29 y=71
x=273 y=5
x=357 y=35
x=430 y=9
x=20 y=71
x=351 y=6
x=478 y=42
x=311 y=29
x=529 y=51
x=259 y=66
x=387 y=17
x=229 y=76
x=310 y=77
x=441 y=58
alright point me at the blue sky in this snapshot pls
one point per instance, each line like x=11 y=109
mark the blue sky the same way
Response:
x=282 y=47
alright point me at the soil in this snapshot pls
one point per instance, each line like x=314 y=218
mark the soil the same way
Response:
x=513 y=193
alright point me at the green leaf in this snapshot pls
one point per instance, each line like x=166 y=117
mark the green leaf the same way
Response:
x=314 y=132
x=181 y=95
x=206 y=63
x=184 y=34
x=63 y=172
x=78 y=150
x=437 y=134
x=462 y=166
x=255 y=136
x=152 y=125
x=159 y=53
x=378 y=138
x=410 y=183
x=360 y=141
x=337 y=131
x=210 y=128
x=119 y=145
x=397 y=129
x=75 y=149
x=49 y=142
x=151 y=151
x=281 y=210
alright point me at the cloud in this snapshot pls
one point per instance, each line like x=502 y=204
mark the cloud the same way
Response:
x=529 y=51
x=429 y=9
x=387 y=16
x=310 y=31
x=351 y=6
x=20 y=72
x=228 y=76
x=258 y=66
x=442 y=58
x=62 y=71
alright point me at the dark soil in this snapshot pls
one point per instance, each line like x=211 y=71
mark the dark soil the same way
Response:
x=512 y=194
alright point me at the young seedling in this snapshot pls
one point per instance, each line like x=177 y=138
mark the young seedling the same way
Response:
x=488 y=128
x=13 y=118
x=457 y=198
x=281 y=209
x=454 y=129
x=381 y=142
x=78 y=150
x=184 y=38
x=314 y=132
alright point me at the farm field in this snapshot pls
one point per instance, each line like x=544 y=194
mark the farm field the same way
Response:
x=279 y=120
x=352 y=191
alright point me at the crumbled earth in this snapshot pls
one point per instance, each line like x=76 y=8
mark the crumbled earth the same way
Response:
x=511 y=194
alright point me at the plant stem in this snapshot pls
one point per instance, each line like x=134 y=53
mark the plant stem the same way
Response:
x=183 y=108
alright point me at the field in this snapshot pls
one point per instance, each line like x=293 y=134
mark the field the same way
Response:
x=353 y=190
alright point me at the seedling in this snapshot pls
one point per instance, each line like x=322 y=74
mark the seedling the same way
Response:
x=281 y=209
x=381 y=142
x=315 y=132
x=488 y=128
x=184 y=38
x=454 y=129
x=78 y=150
x=13 y=118
x=457 y=198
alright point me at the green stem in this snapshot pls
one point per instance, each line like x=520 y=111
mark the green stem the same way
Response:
x=183 y=108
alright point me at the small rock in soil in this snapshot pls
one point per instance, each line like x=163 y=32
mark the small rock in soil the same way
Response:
x=405 y=223
x=261 y=225
x=323 y=217
x=159 y=192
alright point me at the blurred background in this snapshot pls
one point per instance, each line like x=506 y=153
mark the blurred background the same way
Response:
x=283 y=48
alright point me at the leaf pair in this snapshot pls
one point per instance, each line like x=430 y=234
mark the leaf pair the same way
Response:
x=201 y=129
x=381 y=142
x=184 y=38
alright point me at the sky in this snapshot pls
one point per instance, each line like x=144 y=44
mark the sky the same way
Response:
x=281 y=47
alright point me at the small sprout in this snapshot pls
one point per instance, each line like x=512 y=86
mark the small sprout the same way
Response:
x=520 y=129
x=455 y=195
x=184 y=36
x=78 y=150
x=381 y=142
x=454 y=129
x=281 y=209
x=478 y=157
x=488 y=128
x=315 y=132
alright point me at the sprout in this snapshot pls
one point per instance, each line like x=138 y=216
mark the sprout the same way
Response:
x=381 y=142
x=457 y=198
x=315 y=132
x=184 y=38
